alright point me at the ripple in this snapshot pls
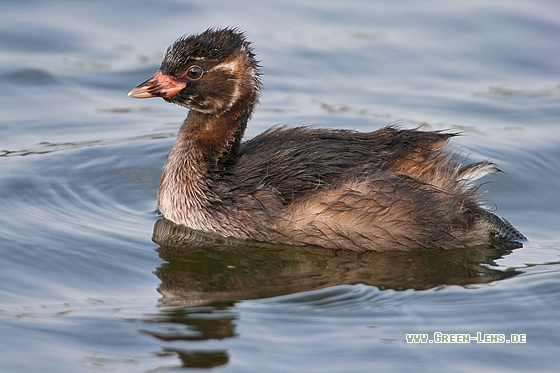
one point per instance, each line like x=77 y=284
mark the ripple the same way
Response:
x=349 y=299
x=501 y=91
x=29 y=76
x=46 y=147
x=83 y=212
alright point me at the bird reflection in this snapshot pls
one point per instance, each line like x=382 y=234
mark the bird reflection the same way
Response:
x=195 y=324
x=204 y=275
x=203 y=268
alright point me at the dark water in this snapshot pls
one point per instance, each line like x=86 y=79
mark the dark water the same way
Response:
x=84 y=288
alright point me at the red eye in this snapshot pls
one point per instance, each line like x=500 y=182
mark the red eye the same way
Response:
x=194 y=73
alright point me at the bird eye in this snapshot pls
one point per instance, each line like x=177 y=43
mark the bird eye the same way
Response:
x=194 y=73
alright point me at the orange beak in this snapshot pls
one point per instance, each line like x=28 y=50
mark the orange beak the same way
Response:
x=159 y=85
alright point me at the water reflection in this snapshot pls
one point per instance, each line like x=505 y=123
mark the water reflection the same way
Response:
x=202 y=359
x=203 y=268
x=204 y=275
x=195 y=324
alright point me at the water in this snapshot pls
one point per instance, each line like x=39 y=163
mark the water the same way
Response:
x=84 y=288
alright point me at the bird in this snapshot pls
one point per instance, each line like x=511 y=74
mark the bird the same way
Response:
x=389 y=189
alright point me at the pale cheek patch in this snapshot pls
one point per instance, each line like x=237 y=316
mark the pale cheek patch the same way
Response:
x=228 y=66
x=233 y=68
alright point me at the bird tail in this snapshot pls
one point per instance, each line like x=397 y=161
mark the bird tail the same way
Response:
x=500 y=228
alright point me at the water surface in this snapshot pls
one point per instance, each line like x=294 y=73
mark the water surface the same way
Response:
x=92 y=280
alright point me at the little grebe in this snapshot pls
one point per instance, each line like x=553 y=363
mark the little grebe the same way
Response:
x=392 y=189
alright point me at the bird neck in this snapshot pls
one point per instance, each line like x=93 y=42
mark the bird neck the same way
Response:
x=215 y=138
x=206 y=143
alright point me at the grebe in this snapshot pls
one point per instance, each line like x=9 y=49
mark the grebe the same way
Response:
x=391 y=189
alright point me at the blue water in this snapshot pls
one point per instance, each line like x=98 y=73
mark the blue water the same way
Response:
x=92 y=281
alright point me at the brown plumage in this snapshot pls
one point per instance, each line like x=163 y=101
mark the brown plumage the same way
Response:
x=392 y=189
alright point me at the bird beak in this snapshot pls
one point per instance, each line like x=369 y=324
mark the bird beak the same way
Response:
x=159 y=85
